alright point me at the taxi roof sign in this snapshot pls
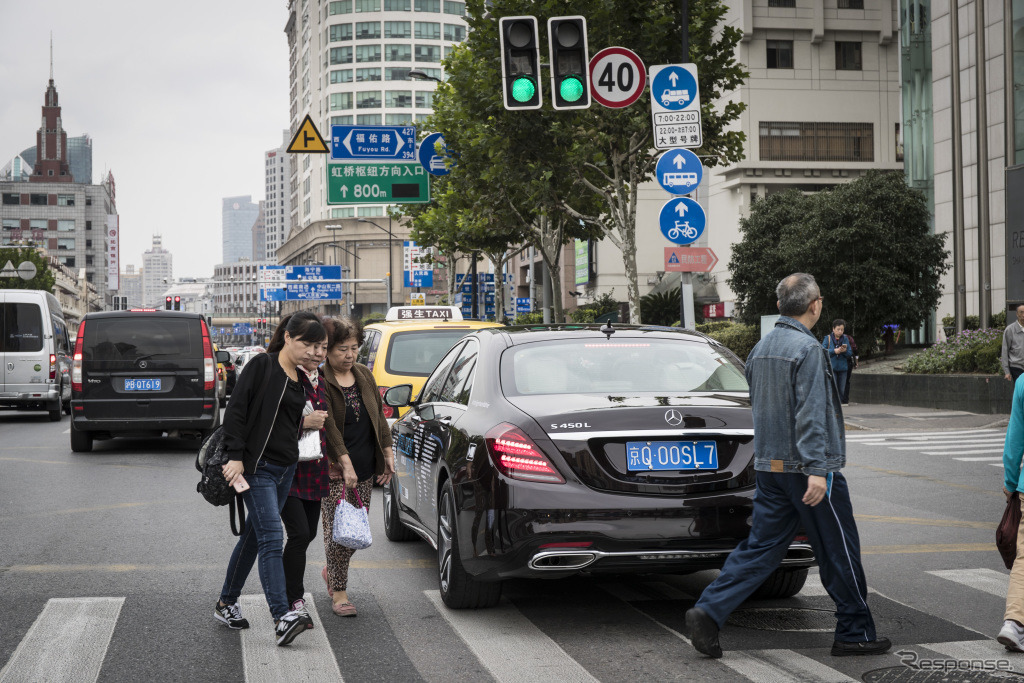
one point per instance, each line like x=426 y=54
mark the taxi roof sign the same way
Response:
x=307 y=139
x=399 y=313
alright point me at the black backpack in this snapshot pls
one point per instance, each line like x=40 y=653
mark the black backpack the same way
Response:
x=212 y=484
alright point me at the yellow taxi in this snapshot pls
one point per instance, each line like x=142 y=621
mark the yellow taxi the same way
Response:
x=408 y=345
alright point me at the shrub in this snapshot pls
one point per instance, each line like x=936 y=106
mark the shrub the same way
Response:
x=969 y=351
x=999 y=320
x=373 y=318
x=737 y=337
x=534 y=318
x=583 y=315
x=659 y=309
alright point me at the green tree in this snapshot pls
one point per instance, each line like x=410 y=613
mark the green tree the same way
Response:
x=43 y=279
x=867 y=243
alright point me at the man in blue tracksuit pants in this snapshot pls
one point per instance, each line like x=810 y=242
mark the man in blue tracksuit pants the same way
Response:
x=799 y=450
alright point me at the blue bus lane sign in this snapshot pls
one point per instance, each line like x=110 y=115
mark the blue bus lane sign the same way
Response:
x=682 y=220
x=679 y=171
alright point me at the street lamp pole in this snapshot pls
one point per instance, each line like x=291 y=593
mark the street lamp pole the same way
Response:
x=391 y=238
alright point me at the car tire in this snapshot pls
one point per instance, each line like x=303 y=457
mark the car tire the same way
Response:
x=458 y=589
x=393 y=527
x=54 y=412
x=782 y=583
x=66 y=406
x=81 y=442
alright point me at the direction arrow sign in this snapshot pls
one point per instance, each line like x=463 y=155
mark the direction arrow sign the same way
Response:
x=309 y=273
x=689 y=260
x=617 y=77
x=373 y=142
x=682 y=220
x=397 y=182
x=675 y=106
x=679 y=171
x=429 y=158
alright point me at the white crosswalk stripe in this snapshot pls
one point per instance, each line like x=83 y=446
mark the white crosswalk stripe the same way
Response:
x=781 y=666
x=987 y=580
x=980 y=651
x=871 y=436
x=974 y=445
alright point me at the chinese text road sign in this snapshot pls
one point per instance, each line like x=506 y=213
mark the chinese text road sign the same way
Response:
x=370 y=182
x=689 y=260
x=373 y=142
x=675 y=106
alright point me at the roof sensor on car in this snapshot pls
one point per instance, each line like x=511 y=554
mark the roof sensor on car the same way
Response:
x=607 y=330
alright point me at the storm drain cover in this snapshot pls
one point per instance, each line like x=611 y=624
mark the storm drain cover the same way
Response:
x=902 y=674
x=802 y=619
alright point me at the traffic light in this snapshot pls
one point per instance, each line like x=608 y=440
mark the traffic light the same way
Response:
x=570 y=62
x=177 y=303
x=167 y=303
x=520 y=62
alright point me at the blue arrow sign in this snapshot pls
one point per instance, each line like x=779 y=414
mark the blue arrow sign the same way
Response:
x=682 y=220
x=429 y=158
x=314 y=291
x=373 y=142
x=674 y=88
x=679 y=171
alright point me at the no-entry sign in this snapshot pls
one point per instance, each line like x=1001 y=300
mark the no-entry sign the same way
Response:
x=617 y=77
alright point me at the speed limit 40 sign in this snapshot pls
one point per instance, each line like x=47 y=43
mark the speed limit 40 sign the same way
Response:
x=617 y=77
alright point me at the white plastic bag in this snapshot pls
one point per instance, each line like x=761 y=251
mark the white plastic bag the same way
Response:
x=352 y=525
x=309 y=442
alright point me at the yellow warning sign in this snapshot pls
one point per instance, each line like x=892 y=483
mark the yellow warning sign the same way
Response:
x=307 y=139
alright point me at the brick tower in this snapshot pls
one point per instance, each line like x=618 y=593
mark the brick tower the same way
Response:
x=51 y=140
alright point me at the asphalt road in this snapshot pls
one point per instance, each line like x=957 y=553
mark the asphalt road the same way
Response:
x=110 y=564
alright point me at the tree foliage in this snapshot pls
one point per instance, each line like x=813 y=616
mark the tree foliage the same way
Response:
x=867 y=243
x=43 y=279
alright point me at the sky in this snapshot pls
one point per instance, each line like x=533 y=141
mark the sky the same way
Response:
x=181 y=99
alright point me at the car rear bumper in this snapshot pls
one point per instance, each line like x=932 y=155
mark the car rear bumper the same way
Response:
x=19 y=398
x=153 y=424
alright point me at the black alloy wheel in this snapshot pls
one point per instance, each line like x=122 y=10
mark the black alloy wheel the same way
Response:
x=393 y=527
x=458 y=589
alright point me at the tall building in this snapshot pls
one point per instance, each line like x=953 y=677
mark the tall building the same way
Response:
x=238 y=215
x=131 y=286
x=157 y=273
x=277 y=209
x=259 y=231
x=79 y=158
x=51 y=164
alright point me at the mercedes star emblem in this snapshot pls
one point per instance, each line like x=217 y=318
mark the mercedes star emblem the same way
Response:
x=674 y=418
x=143 y=364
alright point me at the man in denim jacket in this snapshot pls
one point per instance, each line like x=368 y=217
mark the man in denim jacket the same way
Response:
x=799 y=448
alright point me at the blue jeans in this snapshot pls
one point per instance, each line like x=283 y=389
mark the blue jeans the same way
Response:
x=841 y=376
x=262 y=537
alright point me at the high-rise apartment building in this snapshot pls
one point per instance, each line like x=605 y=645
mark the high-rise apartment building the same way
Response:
x=277 y=205
x=157 y=273
x=237 y=218
x=259 y=231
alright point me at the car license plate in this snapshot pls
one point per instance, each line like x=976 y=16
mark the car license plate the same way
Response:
x=142 y=385
x=671 y=455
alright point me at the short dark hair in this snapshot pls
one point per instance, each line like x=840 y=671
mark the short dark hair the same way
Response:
x=795 y=293
x=837 y=322
x=305 y=326
x=341 y=329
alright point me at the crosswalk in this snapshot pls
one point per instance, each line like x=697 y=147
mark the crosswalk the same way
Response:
x=70 y=638
x=968 y=445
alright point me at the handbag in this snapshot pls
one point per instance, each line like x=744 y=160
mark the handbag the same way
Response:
x=309 y=442
x=351 y=524
x=1006 y=532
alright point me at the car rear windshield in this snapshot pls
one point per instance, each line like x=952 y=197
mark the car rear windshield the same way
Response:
x=132 y=339
x=417 y=352
x=618 y=366
x=22 y=327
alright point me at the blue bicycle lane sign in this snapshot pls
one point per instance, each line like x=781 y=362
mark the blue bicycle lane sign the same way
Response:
x=682 y=220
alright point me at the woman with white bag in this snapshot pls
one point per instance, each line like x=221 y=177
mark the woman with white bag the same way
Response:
x=358 y=444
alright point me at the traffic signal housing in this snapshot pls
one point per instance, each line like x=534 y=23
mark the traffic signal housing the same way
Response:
x=520 y=62
x=570 y=62
x=177 y=303
x=167 y=303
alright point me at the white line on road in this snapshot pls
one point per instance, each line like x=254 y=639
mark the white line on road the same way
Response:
x=509 y=646
x=890 y=435
x=781 y=666
x=953 y=447
x=987 y=580
x=999 y=458
x=67 y=642
x=309 y=658
x=973 y=650
x=973 y=451
x=68 y=430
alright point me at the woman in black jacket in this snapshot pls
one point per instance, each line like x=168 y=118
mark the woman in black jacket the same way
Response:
x=262 y=424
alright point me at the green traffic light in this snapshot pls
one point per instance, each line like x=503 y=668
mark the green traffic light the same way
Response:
x=571 y=89
x=523 y=89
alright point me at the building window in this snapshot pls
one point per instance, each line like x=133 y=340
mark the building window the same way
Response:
x=340 y=7
x=306 y=185
x=38 y=224
x=780 y=54
x=428 y=30
x=425 y=99
x=456 y=8
x=69 y=261
x=88 y=225
x=368 y=119
x=348 y=212
x=340 y=100
x=368 y=30
x=66 y=243
x=782 y=3
x=367 y=53
x=851 y=4
x=428 y=53
x=37 y=199
x=370 y=211
x=11 y=198
x=422 y=117
x=398 y=29
x=340 y=32
x=448 y=50
x=454 y=32
x=397 y=5
x=398 y=99
x=368 y=100
x=433 y=73
x=337 y=121
x=65 y=225
x=65 y=200
x=398 y=53
x=397 y=73
x=814 y=141
x=367 y=5
x=88 y=201
x=341 y=76
x=371 y=74
x=88 y=244
x=341 y=55
x=848 y=56
x=11 y=224
x=398 y=119
x=428 y=5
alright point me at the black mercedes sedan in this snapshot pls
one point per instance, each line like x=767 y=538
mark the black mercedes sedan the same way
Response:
x=550 y=451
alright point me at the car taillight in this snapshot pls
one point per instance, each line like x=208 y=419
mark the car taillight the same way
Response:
x=389 y=412
x=53 y=367
x=518 y=457
x=76 y=365
x=209 y=377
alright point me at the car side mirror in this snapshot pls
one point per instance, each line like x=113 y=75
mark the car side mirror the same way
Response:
x=398 y=396
x=223 y=357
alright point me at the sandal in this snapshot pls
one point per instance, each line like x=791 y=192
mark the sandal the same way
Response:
x=344 y=609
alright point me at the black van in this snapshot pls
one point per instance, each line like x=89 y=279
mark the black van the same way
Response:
x=143 y=373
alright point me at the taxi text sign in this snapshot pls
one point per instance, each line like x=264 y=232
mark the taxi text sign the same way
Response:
x=376 y=182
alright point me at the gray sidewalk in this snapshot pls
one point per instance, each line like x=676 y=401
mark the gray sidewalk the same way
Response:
x=884 y=418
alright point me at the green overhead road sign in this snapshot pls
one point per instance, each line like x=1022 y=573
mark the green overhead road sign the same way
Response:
x=377 y=182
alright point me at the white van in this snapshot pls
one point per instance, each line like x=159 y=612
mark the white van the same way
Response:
x=35 y=353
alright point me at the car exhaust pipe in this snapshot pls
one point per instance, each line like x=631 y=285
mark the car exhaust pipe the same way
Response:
x=560 y=560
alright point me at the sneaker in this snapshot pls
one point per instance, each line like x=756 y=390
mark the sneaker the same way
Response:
x=300 y=607
x=1012 y=636
x=230 y=616
x=290 y=625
